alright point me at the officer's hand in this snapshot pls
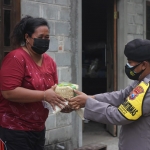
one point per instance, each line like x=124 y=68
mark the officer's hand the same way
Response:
x=78 y=101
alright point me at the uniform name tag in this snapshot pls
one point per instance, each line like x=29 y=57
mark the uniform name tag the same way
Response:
x=132 y=108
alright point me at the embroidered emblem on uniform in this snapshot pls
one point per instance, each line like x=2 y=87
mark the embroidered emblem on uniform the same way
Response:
x=138 y=90
x=132 y=96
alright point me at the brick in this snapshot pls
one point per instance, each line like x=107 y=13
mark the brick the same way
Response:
x=50 y=11
x=62 y=28
x=139 y=9
x=132 y=29
x=139 y=29
x=131 y=8
x=64 y=14
x=27 y=8
x=52 y=27
x=130 y=37
x=59 y=135
x=63 y=119
x=63 y=59
x=63 y=2
x=61 y=44
x=67 y=44
x=64 y=74
x=139 y=19
x=51 y=122
x=138 y=36
x=138 y=1
x=53 y=44
x=131 y=19
x=131 y=1
x=45 y=1
x=47 y=138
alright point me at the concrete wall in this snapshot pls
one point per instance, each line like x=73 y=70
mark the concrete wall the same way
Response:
x=63 y=130
x=131 y=25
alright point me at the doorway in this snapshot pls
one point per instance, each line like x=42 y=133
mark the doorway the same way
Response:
x=99 y=51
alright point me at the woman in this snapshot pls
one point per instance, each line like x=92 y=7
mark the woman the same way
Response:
x=28 y=76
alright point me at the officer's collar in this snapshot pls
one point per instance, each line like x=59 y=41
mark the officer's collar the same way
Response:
x=147 y=79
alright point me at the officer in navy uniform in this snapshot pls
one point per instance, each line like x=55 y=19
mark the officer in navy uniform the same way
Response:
x=129 y=107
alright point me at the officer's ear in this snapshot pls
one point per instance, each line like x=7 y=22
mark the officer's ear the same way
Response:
x=145 y=64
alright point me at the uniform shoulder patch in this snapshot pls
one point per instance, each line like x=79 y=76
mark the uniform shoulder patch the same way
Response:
x=136 y=91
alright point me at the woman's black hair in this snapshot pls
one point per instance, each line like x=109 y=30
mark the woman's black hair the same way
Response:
x=27 y=25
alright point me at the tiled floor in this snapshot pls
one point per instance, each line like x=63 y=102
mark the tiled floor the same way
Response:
x=95 y=133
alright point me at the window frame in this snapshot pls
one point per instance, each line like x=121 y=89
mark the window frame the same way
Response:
x=15 y=16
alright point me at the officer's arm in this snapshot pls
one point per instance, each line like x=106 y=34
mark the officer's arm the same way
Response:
x=103 y=113
x=117 y=97
x=146 y=104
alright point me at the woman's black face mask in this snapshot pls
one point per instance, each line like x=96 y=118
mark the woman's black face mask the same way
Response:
x=129 y=70
x=40 y=46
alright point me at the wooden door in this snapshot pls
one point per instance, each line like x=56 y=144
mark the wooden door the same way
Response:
x=9 y=16
x=111 y=54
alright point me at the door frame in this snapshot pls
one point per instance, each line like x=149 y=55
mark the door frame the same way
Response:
x=79 y=61
x=112 y=56
x=79 y=47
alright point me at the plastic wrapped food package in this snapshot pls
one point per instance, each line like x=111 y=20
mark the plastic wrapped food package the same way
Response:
x=65 y=90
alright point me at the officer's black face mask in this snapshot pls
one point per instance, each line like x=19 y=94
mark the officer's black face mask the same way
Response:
x=129 y=70
x=40 y=46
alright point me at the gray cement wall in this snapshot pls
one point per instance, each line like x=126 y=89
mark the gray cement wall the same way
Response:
x=131 y=25
x=62 y=130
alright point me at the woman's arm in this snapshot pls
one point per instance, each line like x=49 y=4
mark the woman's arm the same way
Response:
x=23 y=95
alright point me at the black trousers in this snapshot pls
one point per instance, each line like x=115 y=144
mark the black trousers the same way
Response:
x=22 y=140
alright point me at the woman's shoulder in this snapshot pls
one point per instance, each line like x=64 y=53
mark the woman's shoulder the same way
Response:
x=17 y=53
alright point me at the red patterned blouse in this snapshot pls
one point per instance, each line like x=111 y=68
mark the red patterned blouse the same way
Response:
x=19 y=70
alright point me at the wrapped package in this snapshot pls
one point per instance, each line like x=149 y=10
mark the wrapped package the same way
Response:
x=65 y=90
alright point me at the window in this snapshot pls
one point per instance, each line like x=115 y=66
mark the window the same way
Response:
x=9 y=16
x=7 y=2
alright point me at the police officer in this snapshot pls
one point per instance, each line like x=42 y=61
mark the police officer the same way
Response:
x=129 y=107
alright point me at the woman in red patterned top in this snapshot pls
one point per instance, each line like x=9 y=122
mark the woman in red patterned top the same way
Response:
x=28 y=76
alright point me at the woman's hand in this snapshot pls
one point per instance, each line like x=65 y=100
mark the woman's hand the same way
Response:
x=78 y=101
x=54 y=99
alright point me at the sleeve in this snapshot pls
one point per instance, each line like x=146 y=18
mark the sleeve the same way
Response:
x=146 y=104
x=12 y=73
x=117 y=97
x=103 y=113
